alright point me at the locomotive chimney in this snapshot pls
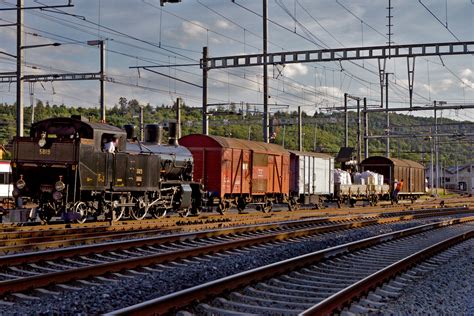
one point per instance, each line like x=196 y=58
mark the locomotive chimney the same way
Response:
x=172 y=129
x=130 y=129
x=153 y=133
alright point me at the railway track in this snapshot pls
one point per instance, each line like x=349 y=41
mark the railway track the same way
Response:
x=22 y=240
x=35 y=270
x=319 y=283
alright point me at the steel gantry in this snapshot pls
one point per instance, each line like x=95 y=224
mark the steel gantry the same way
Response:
x=410 y=51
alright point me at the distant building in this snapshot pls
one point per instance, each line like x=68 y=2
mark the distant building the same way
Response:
x=458 y=178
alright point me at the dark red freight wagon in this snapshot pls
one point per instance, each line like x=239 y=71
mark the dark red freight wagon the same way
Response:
x=237 y=172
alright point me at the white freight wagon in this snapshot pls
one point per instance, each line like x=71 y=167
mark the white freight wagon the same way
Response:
x=311 y=177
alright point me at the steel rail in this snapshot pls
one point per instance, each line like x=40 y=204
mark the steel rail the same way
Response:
x=339 y=300
x=170 y=303
x=25 y=283
x=87 y=246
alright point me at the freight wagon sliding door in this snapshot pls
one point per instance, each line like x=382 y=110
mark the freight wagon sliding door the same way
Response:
x=226 y=171
x=240 y=176
x=278 y=167
x=259 y=173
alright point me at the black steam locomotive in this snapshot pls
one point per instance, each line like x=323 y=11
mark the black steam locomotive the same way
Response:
x=63 y=168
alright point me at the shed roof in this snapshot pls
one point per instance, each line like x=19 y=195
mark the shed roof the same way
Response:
x=227 y=142
x=393 y=161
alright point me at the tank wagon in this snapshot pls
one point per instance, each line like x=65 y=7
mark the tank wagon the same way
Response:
x=63 y=168
x=412 y=173
x=311 y=178
x=237 y=172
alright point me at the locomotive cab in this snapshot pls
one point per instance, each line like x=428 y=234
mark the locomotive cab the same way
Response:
x=47 y=164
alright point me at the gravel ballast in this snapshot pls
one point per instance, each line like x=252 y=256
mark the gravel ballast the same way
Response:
x=447 y=290
x=103 y=297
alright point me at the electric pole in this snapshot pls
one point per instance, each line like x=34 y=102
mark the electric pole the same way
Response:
x=266 y=121
x=19 y=69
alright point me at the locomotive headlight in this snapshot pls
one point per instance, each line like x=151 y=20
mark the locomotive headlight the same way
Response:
x=57 y=196
x=59 y=186
x=20 y=184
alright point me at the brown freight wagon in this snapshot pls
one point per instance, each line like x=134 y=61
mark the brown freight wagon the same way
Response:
x=237 y=172
x=412 y=173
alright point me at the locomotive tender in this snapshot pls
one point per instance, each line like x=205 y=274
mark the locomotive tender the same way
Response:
x=63 y=168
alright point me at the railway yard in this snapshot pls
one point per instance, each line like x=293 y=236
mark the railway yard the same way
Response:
x=231 y=158
x=364 y=259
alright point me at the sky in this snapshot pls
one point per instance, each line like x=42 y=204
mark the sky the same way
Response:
x=142 y=33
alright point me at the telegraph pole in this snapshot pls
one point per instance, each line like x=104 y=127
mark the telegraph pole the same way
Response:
x=266 y=121
x=19 y=69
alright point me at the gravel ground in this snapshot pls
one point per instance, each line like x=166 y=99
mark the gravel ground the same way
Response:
x=447 y=290
x=108 y=296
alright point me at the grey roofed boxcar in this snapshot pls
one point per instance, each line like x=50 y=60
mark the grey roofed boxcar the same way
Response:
x=412 y=173
x=311 y=176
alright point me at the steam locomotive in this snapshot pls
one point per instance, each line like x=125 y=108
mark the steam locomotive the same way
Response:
x=63 y=168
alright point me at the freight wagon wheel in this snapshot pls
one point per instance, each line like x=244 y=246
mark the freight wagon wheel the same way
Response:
x=140 y=210
x=292 y=205
x=221 y=208
x=268 y=207
x=241 y=204
x=81 y=212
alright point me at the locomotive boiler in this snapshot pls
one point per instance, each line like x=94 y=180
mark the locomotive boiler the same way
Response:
x=63 y=168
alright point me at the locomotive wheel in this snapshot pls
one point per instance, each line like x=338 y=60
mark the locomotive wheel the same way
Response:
x=44 y=217
x=185 y=213
x=119 y=211
x=138 y=212
x=81 y=211
x=158 y=212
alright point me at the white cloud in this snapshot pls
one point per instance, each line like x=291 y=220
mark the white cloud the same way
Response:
x=222 y=24
x=467 y=73
x=294 y=70
x=193 y=29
